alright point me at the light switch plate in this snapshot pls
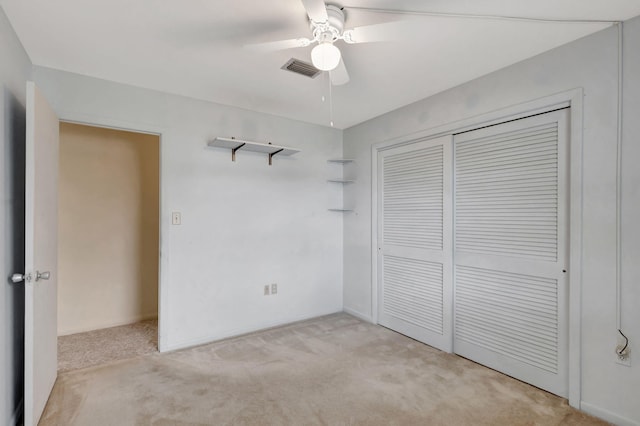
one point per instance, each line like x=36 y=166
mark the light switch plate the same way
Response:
x=176 y=218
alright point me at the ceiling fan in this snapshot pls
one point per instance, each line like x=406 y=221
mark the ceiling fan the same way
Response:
x=327 y=23
x=327 y=26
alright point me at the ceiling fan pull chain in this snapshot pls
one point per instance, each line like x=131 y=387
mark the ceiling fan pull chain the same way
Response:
x=330 y=103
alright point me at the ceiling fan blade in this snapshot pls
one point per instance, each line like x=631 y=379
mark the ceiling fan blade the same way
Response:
x=388 y=31
x=272 y=46
x=339 y=75
x=316 y=10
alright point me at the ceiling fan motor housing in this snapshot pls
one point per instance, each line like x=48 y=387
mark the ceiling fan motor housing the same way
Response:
x=332 y=29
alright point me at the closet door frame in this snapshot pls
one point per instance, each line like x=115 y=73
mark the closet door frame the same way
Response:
x=572 y=99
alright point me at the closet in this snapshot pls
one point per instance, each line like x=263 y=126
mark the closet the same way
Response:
x=472 y=245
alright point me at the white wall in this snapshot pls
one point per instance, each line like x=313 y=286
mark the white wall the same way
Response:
x=608 y=389
x=107 y=228
x=630 y=219
x=244 y=224
x=15 y=69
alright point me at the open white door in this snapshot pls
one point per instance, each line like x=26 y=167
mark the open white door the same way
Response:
x=41 y=258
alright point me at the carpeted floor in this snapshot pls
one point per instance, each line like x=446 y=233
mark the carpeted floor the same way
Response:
x=334 y=370
x=97 y=347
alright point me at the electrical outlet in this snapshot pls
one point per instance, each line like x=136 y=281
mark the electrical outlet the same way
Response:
x=624 y=358
x=266 y=290
x=274 y=288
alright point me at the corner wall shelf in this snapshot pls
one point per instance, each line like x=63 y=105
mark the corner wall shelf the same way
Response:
x=236 y=144
x=340 y=160
x=340 y=180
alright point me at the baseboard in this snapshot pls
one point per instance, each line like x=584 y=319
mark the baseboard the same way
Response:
x=127 y=321
x=16 y=417
x=357 y=314
x=241 y=331
x=607 y=415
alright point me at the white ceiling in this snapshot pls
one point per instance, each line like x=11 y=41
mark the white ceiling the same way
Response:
x=195 y=47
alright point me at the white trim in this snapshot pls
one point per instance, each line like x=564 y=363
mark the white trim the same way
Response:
x=16 y=417
x=571 y=98
x=607 y=415
x=185 y=344
x=374 y=234
x=163 y=258
x=619 y=141
x=575 y=188
x=99 y=121
x=358 y=315
x=538 y=106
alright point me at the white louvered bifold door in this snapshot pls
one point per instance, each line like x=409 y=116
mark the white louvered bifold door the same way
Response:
x=510 y=249
x=414 y=241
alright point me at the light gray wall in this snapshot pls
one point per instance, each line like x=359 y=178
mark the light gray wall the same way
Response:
x=608 y=389
x=630 y=222
x=15 y=69
x=244 y=224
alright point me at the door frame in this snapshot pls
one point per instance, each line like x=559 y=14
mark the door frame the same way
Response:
x=163 y=262
x=572 y=99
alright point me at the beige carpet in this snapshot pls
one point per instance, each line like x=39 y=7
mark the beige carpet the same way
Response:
x=335 y=370
x=107 y=345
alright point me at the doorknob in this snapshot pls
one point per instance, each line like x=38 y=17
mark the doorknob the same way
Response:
x=17 y=278
x=43 y=275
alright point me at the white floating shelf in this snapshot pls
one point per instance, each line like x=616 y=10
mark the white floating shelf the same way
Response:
x=238 y=144
x=340 y=160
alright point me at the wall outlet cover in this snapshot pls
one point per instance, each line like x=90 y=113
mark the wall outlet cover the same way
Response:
x=625 y=358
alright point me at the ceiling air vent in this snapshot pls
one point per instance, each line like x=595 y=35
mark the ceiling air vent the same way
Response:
x=301 y=67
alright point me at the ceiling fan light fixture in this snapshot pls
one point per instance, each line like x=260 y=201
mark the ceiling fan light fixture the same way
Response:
x=325 y=56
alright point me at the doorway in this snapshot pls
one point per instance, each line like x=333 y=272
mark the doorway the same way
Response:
x=108 y=245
